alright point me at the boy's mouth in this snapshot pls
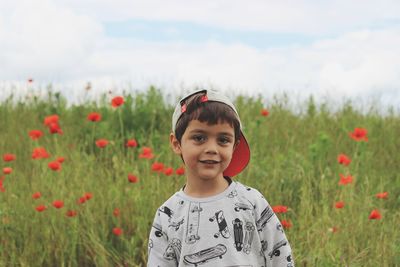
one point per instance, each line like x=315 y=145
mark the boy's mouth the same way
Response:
x=209 y=161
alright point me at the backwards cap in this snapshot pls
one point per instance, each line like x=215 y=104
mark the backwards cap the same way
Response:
x=241 y=154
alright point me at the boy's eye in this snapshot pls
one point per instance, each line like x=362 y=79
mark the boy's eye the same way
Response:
x=199 y=138
x=224 y=140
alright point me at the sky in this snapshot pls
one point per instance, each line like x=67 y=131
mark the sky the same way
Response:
x=329 y=49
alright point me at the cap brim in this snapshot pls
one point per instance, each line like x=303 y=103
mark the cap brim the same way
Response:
x=240 y=158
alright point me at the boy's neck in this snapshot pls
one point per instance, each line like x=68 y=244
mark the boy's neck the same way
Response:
x=208 y=188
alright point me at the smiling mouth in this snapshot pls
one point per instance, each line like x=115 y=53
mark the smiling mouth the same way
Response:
x=209 y=161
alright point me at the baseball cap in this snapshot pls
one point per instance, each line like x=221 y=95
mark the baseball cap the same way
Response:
x=241 y=154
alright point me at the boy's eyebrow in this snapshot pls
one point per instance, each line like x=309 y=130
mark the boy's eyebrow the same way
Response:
x=204 y=132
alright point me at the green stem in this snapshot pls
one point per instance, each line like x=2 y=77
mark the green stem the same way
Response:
x=121 y=124
x=92 y=145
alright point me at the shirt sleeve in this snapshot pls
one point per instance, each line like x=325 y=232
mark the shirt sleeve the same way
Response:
x=275 y=245
x=160 y=252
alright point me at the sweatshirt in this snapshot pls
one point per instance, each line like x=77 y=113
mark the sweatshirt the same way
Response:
x=236 y=228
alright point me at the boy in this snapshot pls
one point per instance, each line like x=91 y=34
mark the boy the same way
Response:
x=212 y=220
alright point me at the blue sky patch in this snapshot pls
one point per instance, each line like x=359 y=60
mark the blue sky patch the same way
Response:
x=166 y=31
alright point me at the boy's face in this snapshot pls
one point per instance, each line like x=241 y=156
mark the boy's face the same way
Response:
x=206 y=149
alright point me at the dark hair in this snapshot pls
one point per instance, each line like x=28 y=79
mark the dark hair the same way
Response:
x=211 y=112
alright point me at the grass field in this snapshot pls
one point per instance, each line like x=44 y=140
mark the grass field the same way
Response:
x=294 y=163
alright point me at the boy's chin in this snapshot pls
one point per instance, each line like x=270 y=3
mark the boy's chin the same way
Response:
x=210 y=175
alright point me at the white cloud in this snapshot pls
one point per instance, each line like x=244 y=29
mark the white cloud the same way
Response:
x=66 y=46
x=42 y=39
x=302 y=16
x=352 y=65
x=355 y=64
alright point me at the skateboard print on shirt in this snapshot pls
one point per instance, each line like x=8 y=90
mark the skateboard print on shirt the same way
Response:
x=159 y=232
x=264 y=246
x=222 y=225
x=238 y=233
x=176 y=225
x=276 y=249
x=173 y=251
x=205 y=255
x=167 y=211
x=248 y=237
x=243 y=206
x=232 y=194
x=193 y=223
x=265 y=217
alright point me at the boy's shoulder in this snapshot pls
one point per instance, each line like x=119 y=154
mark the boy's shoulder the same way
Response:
x=249 y=192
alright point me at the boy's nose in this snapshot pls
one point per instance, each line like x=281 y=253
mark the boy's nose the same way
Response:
x=211 y=148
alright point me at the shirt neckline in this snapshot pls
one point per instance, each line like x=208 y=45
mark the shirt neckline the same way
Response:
x=224 y=193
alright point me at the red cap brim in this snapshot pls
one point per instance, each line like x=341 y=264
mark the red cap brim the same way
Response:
x=240 y=158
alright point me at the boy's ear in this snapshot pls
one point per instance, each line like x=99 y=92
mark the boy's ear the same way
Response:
x=175 y=145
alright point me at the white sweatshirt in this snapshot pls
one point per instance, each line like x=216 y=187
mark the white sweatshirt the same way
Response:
x=236 y=228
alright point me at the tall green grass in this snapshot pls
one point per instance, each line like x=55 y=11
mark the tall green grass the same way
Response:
x=294 y=163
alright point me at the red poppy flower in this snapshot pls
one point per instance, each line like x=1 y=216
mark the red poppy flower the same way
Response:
x=71 y=213
x=55 y=128
x=280 y=209
x=343 y=159
x=132 y=178
x=55 y=165
x=41 y=208
x=94 y=116
x=88 y=195
x=157 y=166
x=36 y=195
x=359 y=134
x=117 y=231
x=60 y=159
x=147 y=150
x=375 y=215
x=58 y=204
x=339 y=204
x=117 y=101
x=131 y=143
x=51 y=119
x=102 y=143
x=180 y=171
x=147 y=153
x=116 y=212
x=35 y=134
x=383 y=195
x=264 y=112
x=82 y=200
x=52 y=123
x=345 y=179
x=40 y=153
x=9 y=157
x=286 y=224
x=168 y=171
x=7 y=170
